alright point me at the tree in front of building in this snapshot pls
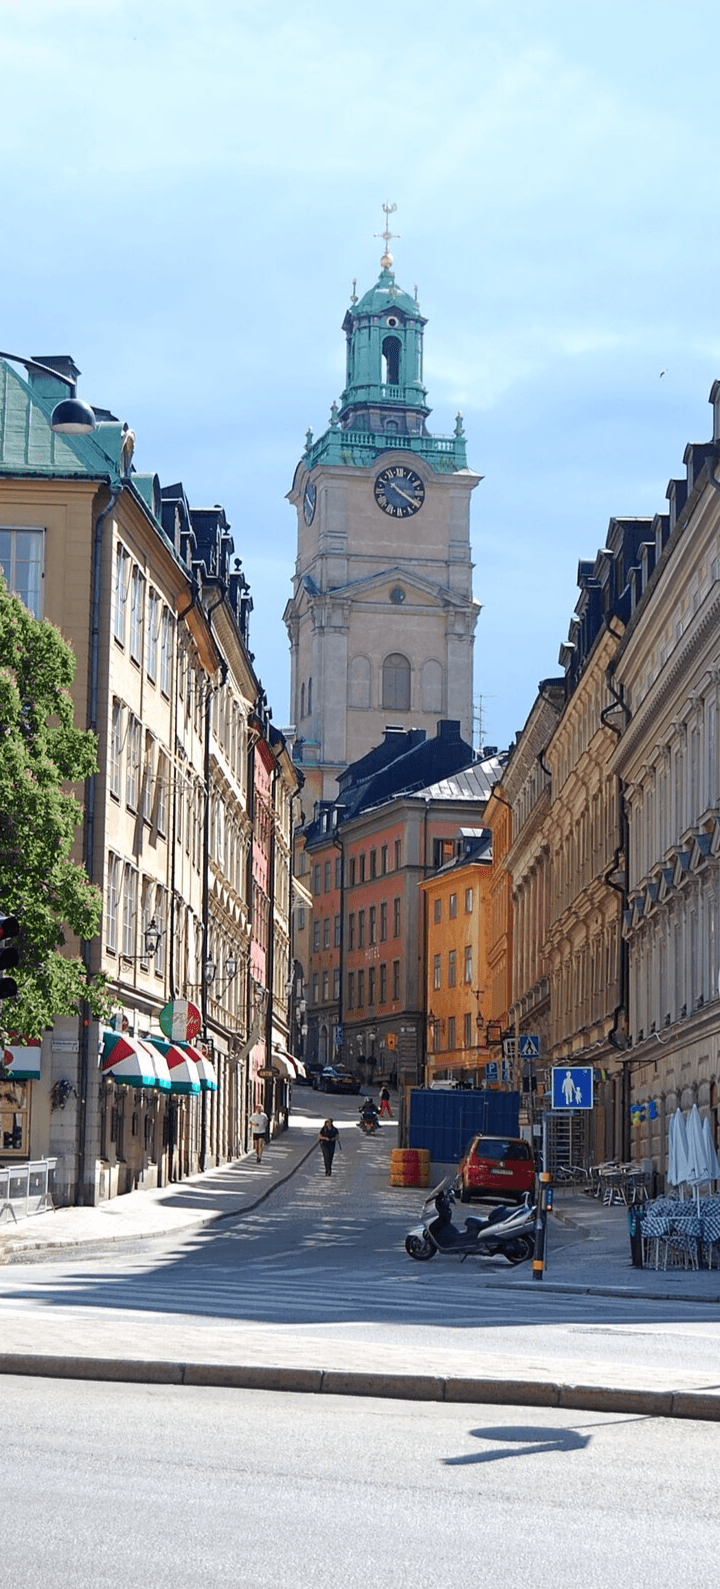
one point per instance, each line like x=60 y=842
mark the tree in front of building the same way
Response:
x=40 y=748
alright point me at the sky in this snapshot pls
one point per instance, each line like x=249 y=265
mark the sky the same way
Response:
x=189 y=189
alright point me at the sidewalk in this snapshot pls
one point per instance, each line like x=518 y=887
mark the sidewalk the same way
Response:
x=588 y=1253
x=171 y=1211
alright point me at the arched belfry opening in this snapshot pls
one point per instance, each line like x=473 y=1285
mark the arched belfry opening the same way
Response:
x=391 y=349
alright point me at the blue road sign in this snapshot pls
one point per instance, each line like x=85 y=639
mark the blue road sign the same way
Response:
x=529 y=1045
x=491 y=1070
x=572 y=1087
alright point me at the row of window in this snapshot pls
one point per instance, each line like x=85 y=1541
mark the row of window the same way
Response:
x=150 y=621
x=453 y=906
x=440 y=1030
x=336 y=933
x=375 y=982
x=144 y=787
x=376 y=863
x=377 y=924
x=452 y=967
x=125 y=892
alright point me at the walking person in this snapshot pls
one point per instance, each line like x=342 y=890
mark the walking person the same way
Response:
x=385 y=1103
x=258 y=1126
x=329 y=1140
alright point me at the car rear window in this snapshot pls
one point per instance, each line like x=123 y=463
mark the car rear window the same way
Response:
x=501 y=1148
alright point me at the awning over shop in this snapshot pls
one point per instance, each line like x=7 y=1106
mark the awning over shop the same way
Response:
x=21 y=1060
x=133 y=1063
x=206 y=1071
x=184 y=1076
x=287 y=1064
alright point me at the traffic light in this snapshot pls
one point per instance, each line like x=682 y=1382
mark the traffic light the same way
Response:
x=9 y=955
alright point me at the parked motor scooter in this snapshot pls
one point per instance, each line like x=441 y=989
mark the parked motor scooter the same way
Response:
x=505 y=1231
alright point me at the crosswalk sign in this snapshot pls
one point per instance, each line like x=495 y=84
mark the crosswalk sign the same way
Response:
x=572 y=1087
x=529 y=1045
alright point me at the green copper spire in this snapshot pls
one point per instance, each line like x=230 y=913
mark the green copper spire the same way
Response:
x=384 y=403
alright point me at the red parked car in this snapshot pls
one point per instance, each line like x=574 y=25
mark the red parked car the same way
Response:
x=497 y=1166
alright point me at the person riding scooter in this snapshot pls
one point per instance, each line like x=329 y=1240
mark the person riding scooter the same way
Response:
x=369 y=1117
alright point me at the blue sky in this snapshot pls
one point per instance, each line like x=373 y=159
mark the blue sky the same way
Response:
x=190 y=188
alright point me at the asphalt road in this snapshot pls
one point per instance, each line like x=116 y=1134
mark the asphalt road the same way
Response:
x=110 y=1485
x=318 y=1275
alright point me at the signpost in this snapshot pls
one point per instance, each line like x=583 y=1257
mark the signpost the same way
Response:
x=572 y=1087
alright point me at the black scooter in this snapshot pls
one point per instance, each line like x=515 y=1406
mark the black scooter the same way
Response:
x=369 y=1121
x=505 y=1231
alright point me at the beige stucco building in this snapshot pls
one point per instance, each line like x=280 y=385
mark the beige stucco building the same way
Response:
x=668 y=672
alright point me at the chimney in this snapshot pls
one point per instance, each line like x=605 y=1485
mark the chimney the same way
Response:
x=449 y=728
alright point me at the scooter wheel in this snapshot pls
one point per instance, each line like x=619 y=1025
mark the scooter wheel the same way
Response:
x=519 y=1249
x=419 y=1248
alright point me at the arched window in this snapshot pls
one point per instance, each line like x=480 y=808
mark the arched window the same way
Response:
x=431 y=687
x=359 y=684
x=391 y=361
x=396 y=683
x=302 y=700
x=309 y=697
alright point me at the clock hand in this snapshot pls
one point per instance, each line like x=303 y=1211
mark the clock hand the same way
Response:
x=406 y=494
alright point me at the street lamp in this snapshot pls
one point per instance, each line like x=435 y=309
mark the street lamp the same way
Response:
x=71 y=416
x=210 y=972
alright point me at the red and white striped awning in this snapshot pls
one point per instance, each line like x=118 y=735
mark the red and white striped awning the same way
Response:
x=21 y=1060
x=133 y=1063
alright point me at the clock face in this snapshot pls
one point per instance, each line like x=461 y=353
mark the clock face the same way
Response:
x=309 y=501
x=399 y=491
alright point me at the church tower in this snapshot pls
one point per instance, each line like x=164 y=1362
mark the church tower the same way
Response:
x=382 y=617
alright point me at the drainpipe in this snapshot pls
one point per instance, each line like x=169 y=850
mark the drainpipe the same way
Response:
x=89 y=830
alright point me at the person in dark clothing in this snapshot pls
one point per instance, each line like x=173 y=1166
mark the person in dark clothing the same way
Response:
x=329 y=1140
x=385 y=1103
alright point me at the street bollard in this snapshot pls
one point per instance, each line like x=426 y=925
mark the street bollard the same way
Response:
x=544 y=1202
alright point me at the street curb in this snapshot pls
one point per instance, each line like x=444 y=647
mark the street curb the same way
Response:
x=31 y=1251
x=453 y=1390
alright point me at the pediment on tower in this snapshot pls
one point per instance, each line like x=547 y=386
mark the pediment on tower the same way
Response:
x=398 y=586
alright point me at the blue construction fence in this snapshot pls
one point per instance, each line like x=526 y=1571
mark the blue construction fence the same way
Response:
x=444 y=1122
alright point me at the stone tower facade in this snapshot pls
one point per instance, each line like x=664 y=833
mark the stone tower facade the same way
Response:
x=381 y=619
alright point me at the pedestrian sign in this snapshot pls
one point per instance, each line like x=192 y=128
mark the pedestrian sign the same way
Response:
x=572 y=1087
x=529 y=1045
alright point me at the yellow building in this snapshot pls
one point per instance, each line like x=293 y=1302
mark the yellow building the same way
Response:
x=457 y=905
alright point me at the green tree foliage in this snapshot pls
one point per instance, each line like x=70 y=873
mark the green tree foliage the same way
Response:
x=39 y=883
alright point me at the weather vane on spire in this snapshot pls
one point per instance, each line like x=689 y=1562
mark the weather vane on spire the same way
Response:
x=387 y=259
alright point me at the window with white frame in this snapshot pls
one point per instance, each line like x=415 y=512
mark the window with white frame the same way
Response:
x=137 y=613
x=160 y=914
x=166 y=641
x=162 y=791
x=122 y=559
x=116 y=727
x=468 y=968
x=151 y=651
x=148 y=779
x=132 y=766
x=113 y=899
x=21 y=560
x=130 y=902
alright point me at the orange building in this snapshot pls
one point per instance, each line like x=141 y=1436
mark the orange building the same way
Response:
x=498 y=817
x=457 y=912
